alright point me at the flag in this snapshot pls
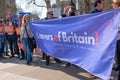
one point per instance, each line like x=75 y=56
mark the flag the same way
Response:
x=87 y=41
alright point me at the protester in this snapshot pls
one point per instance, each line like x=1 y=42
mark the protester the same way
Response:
x=6 y=44
x=68 y=11
x=116 y=5
x=49 y=16
x=22 y=50
x=98 y=7
x=25 y=35
x=11 y=35
x=99 y=4
x=2 y=35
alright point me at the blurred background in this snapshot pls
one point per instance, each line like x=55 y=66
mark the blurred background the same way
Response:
x=38 y=8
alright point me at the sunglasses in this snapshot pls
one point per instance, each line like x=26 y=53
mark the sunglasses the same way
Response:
x=50 y=14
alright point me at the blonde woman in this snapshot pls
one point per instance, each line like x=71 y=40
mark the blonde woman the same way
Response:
x=25 y=35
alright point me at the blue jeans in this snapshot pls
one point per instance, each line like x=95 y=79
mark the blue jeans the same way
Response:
x=15 y=44
x=28 y=52
x=1 y=44
x=6 y=44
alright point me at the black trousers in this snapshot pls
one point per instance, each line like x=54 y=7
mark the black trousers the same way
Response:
x=119 y=76
x=47 y=57
x=117 y=57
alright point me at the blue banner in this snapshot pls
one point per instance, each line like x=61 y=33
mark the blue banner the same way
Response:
x=87 y=41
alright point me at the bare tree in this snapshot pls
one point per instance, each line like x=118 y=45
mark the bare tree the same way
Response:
x=47 y=3
x=58 y=3
x=108 y=5
x=87 y=6
x=34 y=3
x=6 y=6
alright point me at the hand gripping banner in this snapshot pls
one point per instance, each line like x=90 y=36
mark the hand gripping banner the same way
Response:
x=87 y=41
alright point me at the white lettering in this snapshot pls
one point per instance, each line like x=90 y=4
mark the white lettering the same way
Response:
x=85 y=39
x=70 y=38
x=44 y=36
x=64 y=37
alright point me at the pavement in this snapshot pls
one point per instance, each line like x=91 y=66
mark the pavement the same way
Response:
x=15 y=69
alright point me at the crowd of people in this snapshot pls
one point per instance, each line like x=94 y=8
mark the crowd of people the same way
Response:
x=15 y=38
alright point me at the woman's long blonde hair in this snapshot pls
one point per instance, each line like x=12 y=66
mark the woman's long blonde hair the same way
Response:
x=23 y=19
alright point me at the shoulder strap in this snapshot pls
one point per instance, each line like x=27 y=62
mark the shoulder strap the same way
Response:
x=26 y=31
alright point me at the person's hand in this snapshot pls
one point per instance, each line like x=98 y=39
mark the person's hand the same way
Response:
x=20 y=40
x=65 y=9
x=69 y=11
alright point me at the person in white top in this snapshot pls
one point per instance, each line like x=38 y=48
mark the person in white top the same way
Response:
x=25 y=35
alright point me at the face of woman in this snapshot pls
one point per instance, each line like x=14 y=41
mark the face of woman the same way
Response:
x=115 y=5
x=27 y=19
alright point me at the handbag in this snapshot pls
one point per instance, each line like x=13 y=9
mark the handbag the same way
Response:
x=31 y=42
x=21 y=46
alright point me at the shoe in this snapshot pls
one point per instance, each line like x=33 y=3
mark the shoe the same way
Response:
x=11 y=56
x=47 y=62
x=28 y=63
x=67 y=64
x=7 y=54
x=1 y=57
x=31 y=60
x=92 y=76
x=43 y=58
x=117 y=68
x=43 y=55
x=22 y=58
x=58 y=61
x=18 y=57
